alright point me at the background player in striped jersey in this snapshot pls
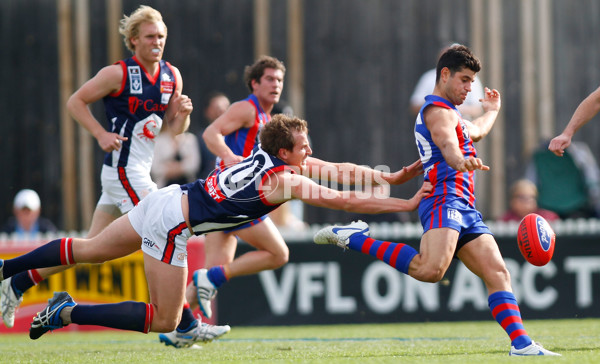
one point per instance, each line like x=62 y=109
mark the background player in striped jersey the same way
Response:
x=452 y=225
x=142 y=95
x=231 y=137
x=165 y=219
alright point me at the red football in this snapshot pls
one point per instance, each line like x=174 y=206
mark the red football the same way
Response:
x=536 y=239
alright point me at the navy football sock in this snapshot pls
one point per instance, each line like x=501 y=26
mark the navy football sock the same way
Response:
x=55 y=253
x=187 y=319
x=128 y=315
x=21 y=282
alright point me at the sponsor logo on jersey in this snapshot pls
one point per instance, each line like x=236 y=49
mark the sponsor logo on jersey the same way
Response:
x=150 y=130
x=166 y=87
x=135 y=79
x=212 y=188
x=148 y=105
x=182 y=257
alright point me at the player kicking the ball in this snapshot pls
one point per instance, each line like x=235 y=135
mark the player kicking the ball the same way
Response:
x=452 y=226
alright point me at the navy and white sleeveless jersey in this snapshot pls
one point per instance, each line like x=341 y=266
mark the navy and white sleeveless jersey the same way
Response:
x=136 y=111
x=242 y=141
x=448 y=183
x=232 y=196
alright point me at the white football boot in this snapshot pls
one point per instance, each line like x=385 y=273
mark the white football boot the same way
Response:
x=532 y=349
x=8 y=302
x=202 y=332
x=205 y=291
x=340 y=234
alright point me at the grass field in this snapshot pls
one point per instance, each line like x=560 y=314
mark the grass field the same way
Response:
x=455 y=342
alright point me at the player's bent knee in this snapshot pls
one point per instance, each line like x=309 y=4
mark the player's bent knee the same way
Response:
x=282 y=258
x=429 y=275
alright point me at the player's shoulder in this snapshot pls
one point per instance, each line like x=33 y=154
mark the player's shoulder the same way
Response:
x=112 y=71
x=440 y=112
x=242 y=110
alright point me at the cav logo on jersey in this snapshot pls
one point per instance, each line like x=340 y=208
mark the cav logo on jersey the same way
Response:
x=135 y=79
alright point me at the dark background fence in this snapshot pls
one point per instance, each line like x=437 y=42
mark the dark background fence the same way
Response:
x=361 y=60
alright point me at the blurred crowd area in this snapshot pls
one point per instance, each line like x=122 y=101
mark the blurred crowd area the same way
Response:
x=353 y=85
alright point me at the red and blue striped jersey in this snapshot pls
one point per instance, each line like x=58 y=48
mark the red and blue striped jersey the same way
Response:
x=448 y=183
x=242 y=141
x=136 y=111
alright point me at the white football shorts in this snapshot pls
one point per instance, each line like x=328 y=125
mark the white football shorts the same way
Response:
x=123 y=188
x=159 y=221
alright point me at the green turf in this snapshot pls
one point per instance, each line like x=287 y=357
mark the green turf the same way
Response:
x=448 y=342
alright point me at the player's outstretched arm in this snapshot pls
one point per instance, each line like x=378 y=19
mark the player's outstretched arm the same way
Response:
x=293 y=186
x=352 y=174
x=586 y=110
x=405 y=174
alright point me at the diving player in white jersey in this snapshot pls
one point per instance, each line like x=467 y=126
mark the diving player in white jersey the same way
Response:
x=280 y=169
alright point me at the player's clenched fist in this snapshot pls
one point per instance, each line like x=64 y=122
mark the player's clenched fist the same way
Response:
x=182 y=104
x=471 y=164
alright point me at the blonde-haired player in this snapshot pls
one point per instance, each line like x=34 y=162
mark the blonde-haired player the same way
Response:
x=142 y=95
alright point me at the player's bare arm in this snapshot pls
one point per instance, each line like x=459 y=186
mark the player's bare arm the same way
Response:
x=289 y=186
x=351 y=174
x=239 y=115
x=442 y=124
x=107 y=81
x=586 y=110
x=481 y=126
x=177 y=116
x=405 y=174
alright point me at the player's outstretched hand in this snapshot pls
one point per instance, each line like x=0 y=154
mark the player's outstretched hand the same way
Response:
x=406 y=173
x=559 y=144
x=471 y=164
x=491 y=100
x=425 y=190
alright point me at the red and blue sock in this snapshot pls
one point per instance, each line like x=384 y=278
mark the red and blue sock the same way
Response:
x=397 y=255
x=506 y=312
x=216 y=275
